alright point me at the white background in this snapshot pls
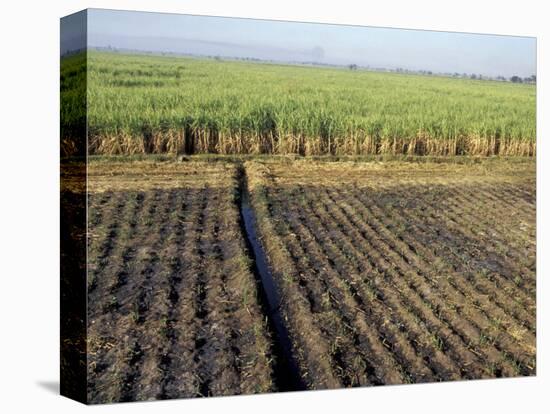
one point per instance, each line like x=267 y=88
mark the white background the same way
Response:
x=29 y=206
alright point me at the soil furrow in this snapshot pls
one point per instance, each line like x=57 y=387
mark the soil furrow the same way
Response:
x=106 y=332
x=455 y=250
x=506 y=234
x=384 y=306
x=310 y=347
x=392 y=262
x=103 y=241
x=479 y=315
x=470 y=260
x=424 y=256
x=136 y=384
x=216 y=356
x=364 y=338
x=179 y=370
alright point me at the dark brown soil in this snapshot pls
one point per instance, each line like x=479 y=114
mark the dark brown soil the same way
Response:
x=173 y=309
x=414 y=277
x=385 y=273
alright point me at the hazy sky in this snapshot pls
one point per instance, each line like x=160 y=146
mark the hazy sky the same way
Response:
x=286 y=41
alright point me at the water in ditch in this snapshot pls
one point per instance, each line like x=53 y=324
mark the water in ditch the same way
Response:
x=286 y=372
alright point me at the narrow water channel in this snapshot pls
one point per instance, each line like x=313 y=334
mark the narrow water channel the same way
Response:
x=286 y=372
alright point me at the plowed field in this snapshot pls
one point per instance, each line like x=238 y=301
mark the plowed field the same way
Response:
x=402 y=273
x=384 y=273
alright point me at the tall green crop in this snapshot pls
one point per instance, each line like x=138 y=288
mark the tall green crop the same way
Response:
x=194 y=105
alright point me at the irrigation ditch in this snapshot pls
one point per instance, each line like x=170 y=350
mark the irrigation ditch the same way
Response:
x=285 y=367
